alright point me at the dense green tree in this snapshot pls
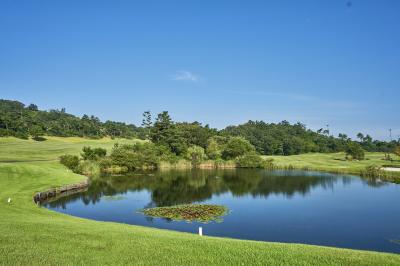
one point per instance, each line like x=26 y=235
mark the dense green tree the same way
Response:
x=355 y=151
x=343 y=137
x=36 y=132
x=33 y=107
x=195 y=134
x=147 y=123
x=92 y=154
x=360 y=136
x=214 y=149
x=235 y=147
x=164 y=132
x=70 y=161
x=134 y=157
x=196 y=155
x=252 y=160
x=162 y=129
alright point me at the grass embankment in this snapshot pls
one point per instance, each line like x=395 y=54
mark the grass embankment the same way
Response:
x=30 y=235
x=336 y=163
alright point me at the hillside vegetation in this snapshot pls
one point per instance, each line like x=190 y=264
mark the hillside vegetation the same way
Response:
x=22 y=121
x=286 y=139
x=19 y=120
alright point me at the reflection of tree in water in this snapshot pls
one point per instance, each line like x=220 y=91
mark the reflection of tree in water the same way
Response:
x=98 y=187
x=178 y=187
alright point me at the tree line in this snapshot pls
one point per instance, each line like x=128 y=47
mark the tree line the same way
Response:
x=23 y=122
x=287 y=139
x=183 y=138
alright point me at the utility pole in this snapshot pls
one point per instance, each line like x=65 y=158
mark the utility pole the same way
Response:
x=390 y=134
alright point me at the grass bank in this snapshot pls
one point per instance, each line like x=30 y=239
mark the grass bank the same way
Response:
x=30 y=235
x=336 y=163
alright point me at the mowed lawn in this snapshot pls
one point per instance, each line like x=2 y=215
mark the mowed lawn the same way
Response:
x=334 y=162
x=30 y=235
x=17 y=150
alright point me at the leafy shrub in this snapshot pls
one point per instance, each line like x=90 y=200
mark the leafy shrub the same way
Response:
x=89 y=168
x=3 y=132
x=70 y=161
x=166 y=155
x=37 y=133
x=137 y=156
x=253 y=160
x=105 y=163
x=215 y=146
x=355 y=150
x=372 y=170
x=39 y=138
x=21 y=135
x=93 y=154
x=106 y=166
x=237 y=146
x=196 y=155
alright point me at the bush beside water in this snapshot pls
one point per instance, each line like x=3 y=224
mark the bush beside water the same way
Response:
x=149 y=156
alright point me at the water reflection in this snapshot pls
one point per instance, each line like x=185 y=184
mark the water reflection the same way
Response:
x=283 y=206
x=178 y=187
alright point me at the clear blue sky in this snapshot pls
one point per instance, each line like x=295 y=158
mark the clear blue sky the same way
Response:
x=219 y=62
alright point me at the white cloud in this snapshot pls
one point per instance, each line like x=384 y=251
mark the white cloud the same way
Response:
x=185 y=75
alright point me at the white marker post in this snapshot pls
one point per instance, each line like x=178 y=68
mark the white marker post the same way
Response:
x=9 y=200
x=200 y=231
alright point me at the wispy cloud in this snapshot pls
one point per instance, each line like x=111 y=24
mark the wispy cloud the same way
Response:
x=185 y=75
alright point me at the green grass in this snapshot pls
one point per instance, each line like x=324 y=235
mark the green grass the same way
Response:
x=17 y=150
x=30 y=235
x=332 y=162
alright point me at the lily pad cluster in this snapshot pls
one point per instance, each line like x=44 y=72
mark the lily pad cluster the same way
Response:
x=189 y=212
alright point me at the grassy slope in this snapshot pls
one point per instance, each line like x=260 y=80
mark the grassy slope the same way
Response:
x=31 y=235
x=333 y=162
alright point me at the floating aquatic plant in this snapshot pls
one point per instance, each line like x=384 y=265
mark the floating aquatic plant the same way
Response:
x=188 y=212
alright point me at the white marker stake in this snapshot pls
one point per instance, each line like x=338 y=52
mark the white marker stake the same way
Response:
x=200 y=231
x=9 y=200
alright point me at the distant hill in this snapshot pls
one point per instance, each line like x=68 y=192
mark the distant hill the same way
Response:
x=22 y=121
x=286 y=139
x=19 y=120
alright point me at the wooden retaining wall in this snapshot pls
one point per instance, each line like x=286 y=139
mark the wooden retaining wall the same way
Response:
x=55 y=193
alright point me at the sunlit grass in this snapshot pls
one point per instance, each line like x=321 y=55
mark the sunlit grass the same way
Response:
x=31 y=235
x=335 y=162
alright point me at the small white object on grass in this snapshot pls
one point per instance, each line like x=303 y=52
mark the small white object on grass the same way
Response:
x=200 y=231
x=9 y=200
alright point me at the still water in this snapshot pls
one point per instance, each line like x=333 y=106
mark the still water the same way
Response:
x=282 y=206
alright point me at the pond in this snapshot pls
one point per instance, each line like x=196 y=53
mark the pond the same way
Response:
x=281 y=206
